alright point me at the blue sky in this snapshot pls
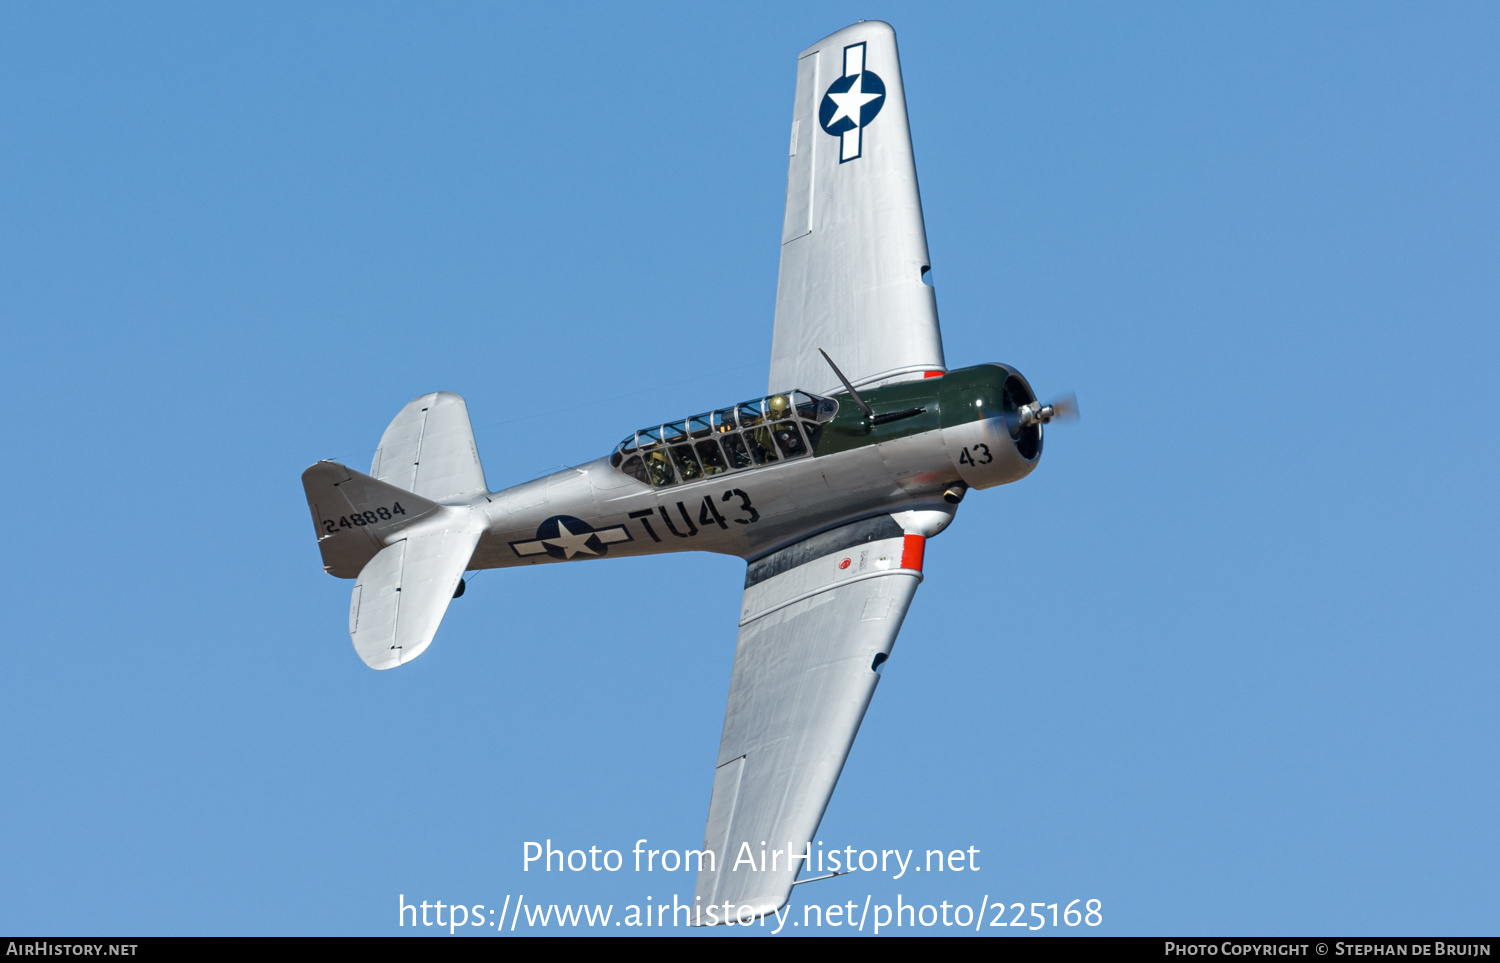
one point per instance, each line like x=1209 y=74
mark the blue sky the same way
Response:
x=1226 y=662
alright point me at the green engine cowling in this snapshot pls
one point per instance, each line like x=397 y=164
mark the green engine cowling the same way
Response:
x=981 y=424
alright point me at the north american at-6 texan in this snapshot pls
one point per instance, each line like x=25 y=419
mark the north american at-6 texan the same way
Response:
x=829 y=486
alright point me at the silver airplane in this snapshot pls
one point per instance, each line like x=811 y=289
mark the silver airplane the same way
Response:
x=829 y=486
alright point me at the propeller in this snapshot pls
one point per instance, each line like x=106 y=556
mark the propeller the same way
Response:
x=1061 y=408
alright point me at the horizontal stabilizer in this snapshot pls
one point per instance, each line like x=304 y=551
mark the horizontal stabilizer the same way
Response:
x=356 y=515
x=428 y=448
x=403 y=593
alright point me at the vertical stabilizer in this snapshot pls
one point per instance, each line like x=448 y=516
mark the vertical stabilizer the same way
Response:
x=406 y=530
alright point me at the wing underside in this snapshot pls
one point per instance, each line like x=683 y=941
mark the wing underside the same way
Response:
x=854 y=246
x=818 y=620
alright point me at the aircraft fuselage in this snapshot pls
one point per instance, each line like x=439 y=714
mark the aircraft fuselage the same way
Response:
x=945 y=434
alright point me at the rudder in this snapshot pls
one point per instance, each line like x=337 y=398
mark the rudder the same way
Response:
x=354 y=515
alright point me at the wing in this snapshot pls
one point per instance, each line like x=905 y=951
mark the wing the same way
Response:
x=853 y=247
x=818 y=620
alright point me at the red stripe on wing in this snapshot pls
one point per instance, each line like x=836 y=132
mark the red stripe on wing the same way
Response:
x=912 y=549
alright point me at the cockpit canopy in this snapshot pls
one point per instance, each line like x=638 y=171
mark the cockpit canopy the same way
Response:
x=751 y=433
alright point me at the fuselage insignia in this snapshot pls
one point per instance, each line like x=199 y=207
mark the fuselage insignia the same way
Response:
x=564 y=536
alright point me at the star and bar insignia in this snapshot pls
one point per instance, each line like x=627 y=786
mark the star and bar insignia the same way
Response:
x=563 y=536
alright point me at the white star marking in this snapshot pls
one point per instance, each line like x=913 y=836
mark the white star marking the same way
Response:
x=850 y=101
x=570 y=544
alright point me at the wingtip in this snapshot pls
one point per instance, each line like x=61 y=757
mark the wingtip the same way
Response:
x=760 y=907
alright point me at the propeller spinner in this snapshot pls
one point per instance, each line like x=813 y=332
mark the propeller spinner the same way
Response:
x=1061 y=408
